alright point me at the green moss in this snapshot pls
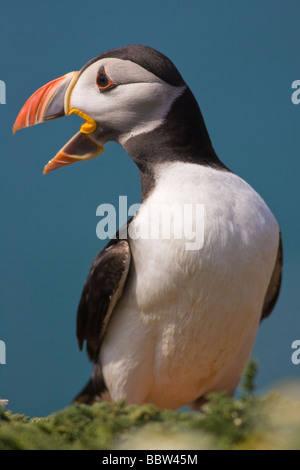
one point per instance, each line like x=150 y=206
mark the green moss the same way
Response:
x=268 y=422
x=248 y=382
x=225 y=424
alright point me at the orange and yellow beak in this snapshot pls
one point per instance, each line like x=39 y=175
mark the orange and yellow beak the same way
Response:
x=51 y=102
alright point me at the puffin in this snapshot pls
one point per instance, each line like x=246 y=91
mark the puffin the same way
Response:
x=164 y=320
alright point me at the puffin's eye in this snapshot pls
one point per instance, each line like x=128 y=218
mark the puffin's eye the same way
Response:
x=104 y=82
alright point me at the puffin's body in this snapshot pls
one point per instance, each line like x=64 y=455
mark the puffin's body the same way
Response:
x=165 y=322
x=187 y=320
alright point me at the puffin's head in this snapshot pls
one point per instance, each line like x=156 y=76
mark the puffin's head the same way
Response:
x=119 y=94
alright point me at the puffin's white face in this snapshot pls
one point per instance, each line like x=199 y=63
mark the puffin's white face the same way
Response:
x=117 y=98
x=123 y=98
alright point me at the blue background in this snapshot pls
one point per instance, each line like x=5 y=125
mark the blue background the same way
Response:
x=240 y=59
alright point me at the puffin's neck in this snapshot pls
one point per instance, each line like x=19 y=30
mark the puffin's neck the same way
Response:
x=181 y=137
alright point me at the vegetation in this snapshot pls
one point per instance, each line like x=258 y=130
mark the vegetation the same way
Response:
x=250 y=422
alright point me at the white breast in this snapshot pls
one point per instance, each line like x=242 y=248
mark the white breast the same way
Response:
x=188 y=320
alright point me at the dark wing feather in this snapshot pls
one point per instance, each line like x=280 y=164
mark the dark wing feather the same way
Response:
x=274 y=285
x=103 y=288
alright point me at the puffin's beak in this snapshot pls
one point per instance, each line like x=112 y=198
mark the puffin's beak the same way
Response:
x=51 y=102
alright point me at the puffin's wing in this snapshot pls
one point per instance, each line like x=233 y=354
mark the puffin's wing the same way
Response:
x=274 y=285
x=103 y=288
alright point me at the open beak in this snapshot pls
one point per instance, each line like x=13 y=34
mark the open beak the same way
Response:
x=51 y=102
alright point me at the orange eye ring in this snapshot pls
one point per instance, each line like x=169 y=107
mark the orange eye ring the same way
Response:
x=104 y=82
